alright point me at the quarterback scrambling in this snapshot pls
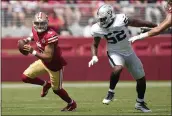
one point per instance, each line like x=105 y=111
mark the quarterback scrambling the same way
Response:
x=113 y=28
x=49 y=60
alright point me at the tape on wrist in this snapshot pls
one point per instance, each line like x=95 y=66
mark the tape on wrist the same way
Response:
x=143 y=35
x=94 y=57
x=29 y=39
x=34 y=52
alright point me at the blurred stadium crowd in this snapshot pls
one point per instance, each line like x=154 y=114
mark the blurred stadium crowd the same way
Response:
x=73 y=17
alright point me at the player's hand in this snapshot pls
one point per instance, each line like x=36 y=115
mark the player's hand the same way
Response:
x=93 y=61
x=28 y=48
x=141 y=36
x=26 y=41
x=144 y=29
x=134 y=38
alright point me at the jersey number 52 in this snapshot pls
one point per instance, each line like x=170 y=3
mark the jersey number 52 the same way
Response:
x=115 y=36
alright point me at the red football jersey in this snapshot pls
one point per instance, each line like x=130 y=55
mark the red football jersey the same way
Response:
x=43 y=39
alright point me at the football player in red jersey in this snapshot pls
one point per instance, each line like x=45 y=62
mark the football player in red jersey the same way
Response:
x=157 y=30
x=49 y=60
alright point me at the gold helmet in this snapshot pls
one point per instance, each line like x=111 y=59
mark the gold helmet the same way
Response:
x=40 y=22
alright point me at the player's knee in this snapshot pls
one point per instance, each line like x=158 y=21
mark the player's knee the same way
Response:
x=139 y=75
x=117 y=69
x=141 y=79
x=24 y=78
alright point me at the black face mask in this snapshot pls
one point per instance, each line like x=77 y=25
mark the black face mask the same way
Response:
x=103 y=19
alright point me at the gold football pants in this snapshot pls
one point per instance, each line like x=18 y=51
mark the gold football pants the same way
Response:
x=37 y=68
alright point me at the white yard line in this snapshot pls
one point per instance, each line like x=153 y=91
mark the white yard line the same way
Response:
x=83 y=85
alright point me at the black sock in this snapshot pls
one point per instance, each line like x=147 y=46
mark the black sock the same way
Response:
x=114 y=78
x=141 y=87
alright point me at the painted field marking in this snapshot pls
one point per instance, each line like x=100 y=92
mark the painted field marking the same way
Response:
x=88 y=85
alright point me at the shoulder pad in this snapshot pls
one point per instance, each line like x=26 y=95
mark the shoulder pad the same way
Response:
x=122 y=19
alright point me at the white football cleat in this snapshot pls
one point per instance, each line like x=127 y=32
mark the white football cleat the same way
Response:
x=109 y=98
x=142 y=107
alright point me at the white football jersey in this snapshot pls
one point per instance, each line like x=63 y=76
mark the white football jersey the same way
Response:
x=117 y=35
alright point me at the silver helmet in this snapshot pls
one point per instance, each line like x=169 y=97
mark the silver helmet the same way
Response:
x=105 y=15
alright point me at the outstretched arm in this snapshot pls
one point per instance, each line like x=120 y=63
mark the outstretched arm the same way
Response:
x=140 y=23
x=94 y=46
x=94 y=49
x=163 y=26
x=155 y=31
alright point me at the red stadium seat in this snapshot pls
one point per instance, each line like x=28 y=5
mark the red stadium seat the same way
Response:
x=142 y=48
x=163 y=49
x=67 y=50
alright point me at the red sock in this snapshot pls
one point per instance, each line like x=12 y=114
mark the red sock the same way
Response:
x=63 y=95
x=36 y=81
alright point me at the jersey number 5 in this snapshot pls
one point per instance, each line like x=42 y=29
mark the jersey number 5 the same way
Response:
x=115 y=37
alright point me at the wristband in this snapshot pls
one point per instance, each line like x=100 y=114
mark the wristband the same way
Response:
x=94 y=57
x=34 y=52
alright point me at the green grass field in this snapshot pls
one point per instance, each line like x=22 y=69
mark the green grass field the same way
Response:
x=24 y=99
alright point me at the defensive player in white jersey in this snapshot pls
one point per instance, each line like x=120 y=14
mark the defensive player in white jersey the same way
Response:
x=113 y=28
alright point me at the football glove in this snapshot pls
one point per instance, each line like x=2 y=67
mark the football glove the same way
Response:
x=93 y=61
x=138 y=37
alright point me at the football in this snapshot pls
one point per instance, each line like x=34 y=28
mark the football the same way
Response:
x=20 y=45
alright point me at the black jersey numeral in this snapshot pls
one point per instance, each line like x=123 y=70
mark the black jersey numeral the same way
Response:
x=115 y=36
